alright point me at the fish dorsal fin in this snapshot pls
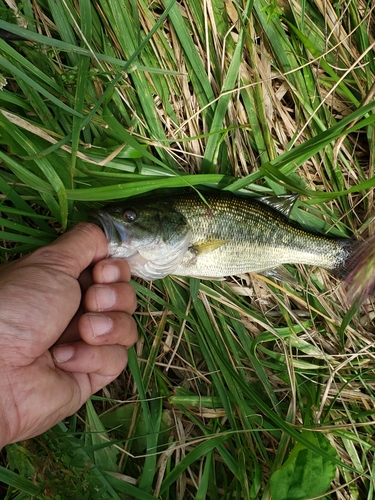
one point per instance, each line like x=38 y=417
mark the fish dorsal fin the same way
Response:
x=283 y=203
x=206 y=246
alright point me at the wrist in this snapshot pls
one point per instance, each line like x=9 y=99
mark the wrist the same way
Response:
x=3 y=438
x=4 y=429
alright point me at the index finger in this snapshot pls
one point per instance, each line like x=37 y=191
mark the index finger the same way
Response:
x=72 y=252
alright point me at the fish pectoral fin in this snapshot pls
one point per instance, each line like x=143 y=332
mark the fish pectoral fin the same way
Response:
x=207 y=246
x=282 y=203
x=279 y=274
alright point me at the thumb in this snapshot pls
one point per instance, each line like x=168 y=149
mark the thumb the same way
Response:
x=72 y=252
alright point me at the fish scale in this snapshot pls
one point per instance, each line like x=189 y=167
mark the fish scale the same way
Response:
x=217 y=236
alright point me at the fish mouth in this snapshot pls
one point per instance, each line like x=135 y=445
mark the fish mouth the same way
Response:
x=104 y=221
x=114 y=232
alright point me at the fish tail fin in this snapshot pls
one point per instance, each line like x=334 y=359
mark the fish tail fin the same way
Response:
x=357 y=268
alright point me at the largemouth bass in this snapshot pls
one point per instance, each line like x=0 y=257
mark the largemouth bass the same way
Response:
x=217 y=236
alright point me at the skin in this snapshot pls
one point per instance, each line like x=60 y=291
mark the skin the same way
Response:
x=65 y=327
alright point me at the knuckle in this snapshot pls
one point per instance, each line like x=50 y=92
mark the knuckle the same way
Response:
x=125 y=270
x=54 y=258
x=128 y=297
x=121 y=357
x=91 y=230
x=132 y=332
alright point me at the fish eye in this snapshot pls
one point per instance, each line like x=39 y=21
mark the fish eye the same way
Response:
x=130 y=215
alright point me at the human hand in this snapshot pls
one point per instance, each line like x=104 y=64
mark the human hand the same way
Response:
x=52 y=311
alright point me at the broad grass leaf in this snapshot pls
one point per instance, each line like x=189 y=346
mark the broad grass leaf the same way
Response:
x=305 y=474
x=105 y=456
x=122 y=420
x=18 y=459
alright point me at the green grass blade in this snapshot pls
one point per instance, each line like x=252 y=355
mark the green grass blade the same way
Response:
x=211 y=153
x=33 y=84
x=16 y=481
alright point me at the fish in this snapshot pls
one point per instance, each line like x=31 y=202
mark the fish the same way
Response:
x=216 y=235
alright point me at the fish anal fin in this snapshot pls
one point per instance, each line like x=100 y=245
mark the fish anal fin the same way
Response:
x=207 y=246
x=209 y=278
x=279 y=274
x=283 y=203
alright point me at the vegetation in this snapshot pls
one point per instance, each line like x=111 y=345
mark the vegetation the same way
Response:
x=246 y=388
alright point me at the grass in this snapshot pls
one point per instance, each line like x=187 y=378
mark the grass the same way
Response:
x=245 y=389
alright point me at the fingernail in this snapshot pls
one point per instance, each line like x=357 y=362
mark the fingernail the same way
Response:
x=100 y=324
x=110 y=273
x=63 y=353
x=105 y=297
